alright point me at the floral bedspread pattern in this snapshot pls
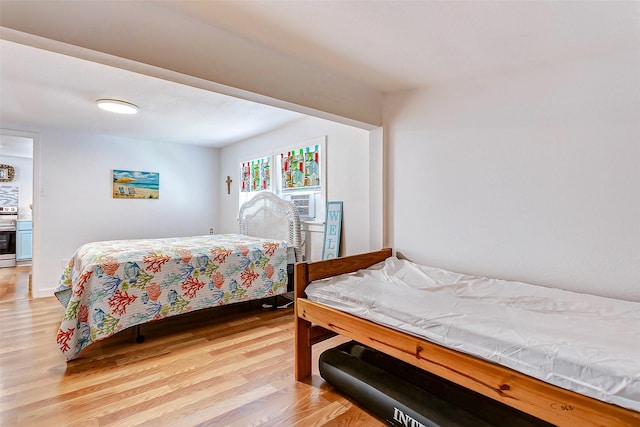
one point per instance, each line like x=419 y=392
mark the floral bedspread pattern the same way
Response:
x=110 y=286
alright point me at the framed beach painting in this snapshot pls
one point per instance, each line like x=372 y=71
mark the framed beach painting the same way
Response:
x=135 y=184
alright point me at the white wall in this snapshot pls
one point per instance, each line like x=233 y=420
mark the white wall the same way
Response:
x=347 y=151
x=76 y=204
x=532 y=176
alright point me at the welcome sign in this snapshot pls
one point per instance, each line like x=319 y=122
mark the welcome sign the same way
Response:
x=332 y=228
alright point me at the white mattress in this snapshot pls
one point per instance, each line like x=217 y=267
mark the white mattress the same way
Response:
x=580 y=342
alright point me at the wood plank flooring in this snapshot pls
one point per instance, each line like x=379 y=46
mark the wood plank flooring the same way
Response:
x=14 y=283
x=223 y=367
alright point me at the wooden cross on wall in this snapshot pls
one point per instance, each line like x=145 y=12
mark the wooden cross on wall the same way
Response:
x=229 y=181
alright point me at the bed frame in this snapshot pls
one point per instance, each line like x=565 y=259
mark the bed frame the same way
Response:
x=316 y=322
x=264 y=216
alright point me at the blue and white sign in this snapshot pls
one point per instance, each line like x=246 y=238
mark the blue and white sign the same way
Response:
x=332 y=228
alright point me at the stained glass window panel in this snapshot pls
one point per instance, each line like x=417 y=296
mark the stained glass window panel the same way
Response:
x=256 y=175
x=300 y=168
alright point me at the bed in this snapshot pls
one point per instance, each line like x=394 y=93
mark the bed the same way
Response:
x=459 y=357
x=110 y=286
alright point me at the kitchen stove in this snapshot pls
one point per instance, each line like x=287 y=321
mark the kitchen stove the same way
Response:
x=8 y=218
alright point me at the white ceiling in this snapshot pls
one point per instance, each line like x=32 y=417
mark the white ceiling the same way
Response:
x=41 y=89
x=403 y=44
x=389 y=45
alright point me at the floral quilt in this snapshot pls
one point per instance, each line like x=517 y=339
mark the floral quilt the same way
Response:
x=113 y=285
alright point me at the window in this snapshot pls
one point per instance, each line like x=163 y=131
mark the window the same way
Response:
x=301 y=178
x=295 y=173
x=255 y=177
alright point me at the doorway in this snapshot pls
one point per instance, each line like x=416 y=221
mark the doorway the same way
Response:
x=17 y=152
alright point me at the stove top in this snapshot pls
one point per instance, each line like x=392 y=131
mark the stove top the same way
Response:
x=8 y=215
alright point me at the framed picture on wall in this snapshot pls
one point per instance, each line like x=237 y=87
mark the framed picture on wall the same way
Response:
x=6 y=173
x=135 y=184
x=332 y=230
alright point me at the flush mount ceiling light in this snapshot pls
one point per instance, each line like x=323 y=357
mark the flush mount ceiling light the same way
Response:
x=117 y=106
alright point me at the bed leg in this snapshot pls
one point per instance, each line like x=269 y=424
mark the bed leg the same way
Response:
x=302 y=349
x=274 y=305
x=139 y=336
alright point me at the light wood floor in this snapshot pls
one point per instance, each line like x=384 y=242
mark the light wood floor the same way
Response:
x=14 y=283
x=210 y=368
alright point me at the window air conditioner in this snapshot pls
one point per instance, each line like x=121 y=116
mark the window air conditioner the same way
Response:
x=305 y=203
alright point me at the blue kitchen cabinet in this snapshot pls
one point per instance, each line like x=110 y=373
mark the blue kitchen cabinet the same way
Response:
x=24 y=236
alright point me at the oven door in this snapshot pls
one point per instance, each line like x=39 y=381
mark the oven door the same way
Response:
x=7 y=246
